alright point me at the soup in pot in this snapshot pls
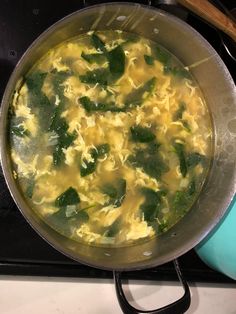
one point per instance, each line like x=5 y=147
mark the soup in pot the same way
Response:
x=110 y=138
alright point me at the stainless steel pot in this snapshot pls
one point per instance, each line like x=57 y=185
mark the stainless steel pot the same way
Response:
x=219 y=91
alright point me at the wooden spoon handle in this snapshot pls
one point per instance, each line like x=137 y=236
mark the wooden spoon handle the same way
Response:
x=211 y=14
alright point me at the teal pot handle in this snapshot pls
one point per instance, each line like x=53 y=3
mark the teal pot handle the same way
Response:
x=218 y=249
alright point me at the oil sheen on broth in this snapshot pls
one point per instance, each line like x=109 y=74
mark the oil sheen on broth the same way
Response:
x=110 y=138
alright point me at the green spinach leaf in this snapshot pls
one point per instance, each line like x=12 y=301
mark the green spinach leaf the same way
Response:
x=121 y=192
x=106 y=76
x=178 y=115
x=67 y=219
x=151 y=163
x=88 y=167
x=82 y=216
x=186 y=125
x=91 y=106
x=35 y=81
x=98 y=58
x=19 y=131
x=180 y=151
x=152 y=204
x=165 y=58
x=40 y=100
x=109 y=190
x=69 y=197
x=153 y=147
x=191 y=188
x=113 y=229
x=181 y=200
x=116 y=192
x=67 y=139
x=64 y=141
x=58 y=78
x=184 y=198
x=141 y=134
x=30 y=188
x=138 y=96
x=162 y=227
x=60 y=126
x=193 y=159
x=149 y=59
x=99 y=76
x=58 y=155
x=162 y=55
x=37 y=99
x=101 y=150
x=98 y=43
x=116 y=59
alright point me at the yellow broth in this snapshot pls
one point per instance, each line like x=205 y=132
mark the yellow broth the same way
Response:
x=110 y=138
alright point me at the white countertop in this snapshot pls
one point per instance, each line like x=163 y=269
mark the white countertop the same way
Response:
x=41 y=295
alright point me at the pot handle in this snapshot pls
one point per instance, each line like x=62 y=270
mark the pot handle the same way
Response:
x=178 y=307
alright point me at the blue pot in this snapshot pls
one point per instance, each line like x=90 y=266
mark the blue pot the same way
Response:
x=218 y=249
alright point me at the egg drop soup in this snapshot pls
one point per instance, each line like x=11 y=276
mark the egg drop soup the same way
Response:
x=110 y=138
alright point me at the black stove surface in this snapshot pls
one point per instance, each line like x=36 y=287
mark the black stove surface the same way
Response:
x=22 y=251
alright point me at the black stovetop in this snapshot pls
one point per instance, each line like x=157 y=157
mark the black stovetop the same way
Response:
x=22 y=251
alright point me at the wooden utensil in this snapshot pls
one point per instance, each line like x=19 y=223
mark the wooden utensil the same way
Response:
x=211 y=14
